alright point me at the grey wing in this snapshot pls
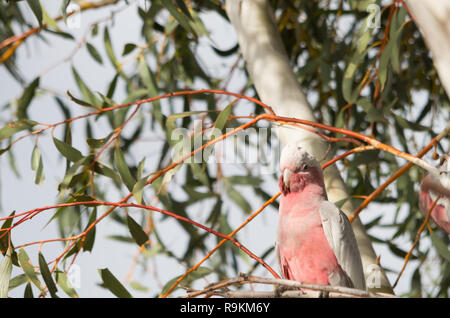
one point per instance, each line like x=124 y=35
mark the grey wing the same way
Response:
x=341 y=238
x=283 y=269
x=277 y=256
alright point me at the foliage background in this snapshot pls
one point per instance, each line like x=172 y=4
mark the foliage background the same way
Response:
x=403 y=105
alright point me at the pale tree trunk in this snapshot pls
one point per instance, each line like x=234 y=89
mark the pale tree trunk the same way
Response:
x=433 y=19
x=277 y=86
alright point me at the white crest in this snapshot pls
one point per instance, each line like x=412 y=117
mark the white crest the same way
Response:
x=293 y=156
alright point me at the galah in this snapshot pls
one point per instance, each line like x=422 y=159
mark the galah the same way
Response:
x=432 y=186
x=315 y=241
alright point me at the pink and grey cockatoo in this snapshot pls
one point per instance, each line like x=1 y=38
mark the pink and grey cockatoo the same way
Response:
x=315 y=241
x=432 y=186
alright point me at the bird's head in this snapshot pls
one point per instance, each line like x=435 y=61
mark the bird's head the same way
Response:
x=298 y=170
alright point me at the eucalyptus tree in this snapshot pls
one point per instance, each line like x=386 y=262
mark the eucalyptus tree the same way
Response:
x=140 y=144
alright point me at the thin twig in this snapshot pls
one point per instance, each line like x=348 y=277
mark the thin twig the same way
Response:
x=416 y=241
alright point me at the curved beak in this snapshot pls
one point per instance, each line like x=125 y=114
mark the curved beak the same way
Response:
x=286 y=177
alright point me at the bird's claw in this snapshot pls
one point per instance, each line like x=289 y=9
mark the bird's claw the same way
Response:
x=280 y=289
x=324 y=294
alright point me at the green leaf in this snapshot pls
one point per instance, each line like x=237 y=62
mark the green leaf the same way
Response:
x=63 y=282
x=245 y=180
x=25 y=99
x=140 y=169
x=70 y=174
x=45 y=272
x=106 y=171
x=120 y=238
x=17 y=281
x=94 y=53
x=35 y=6
x=237 y=197
x=64 y=5
x=395 y=37
x=113 y=284
x=181 y=18
x=112 y=86
x=5 y=274
x=223 y=117
x=64 y=35
x=182 y=6
x=13 y=163
x=97 y=143
x=440 y=246
x=391 y=51
x=124 y=171
x=365 y=158
x=181 y=148
x=90 y=237
x=109 y=50
x=404 y=123
x=15 y=126
x=364 y=39
x=196 y=196
x=49 y=21
x=28 y=291
x=399 y=252
x=138 y=286
x=85 y=91
x=348 y=93
x=28 y=268
x=170 y=121
x=4 y=240
x=67 y=150
x=195 y=22
x=106 y=100
x=94 y=31
x=199 y=172
x=150 y=83
x=373 y=114
x=198 y=273
x=81 y=197
x=128 y=48
x=135 y=95
x=383 y=65
x=37 y=165
x=138 y=188
x=347 y=89
x=73 y=250
x=80 y=102
x=136 y=231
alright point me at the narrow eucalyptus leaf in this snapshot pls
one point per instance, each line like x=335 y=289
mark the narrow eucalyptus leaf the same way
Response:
x=113 y=284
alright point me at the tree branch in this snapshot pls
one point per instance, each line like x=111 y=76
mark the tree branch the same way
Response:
x=307 y=290
x=432 y=17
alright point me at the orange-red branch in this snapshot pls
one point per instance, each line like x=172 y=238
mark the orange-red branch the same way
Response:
x=145 y=207
x=419 y=233
x=147 y=100
x=377 y=144
x=251 y=217
x=346 y=154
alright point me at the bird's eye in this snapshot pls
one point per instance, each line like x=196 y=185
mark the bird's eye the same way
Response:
x=304 y=167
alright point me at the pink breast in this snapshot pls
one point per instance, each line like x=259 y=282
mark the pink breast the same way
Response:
x=305 y=254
